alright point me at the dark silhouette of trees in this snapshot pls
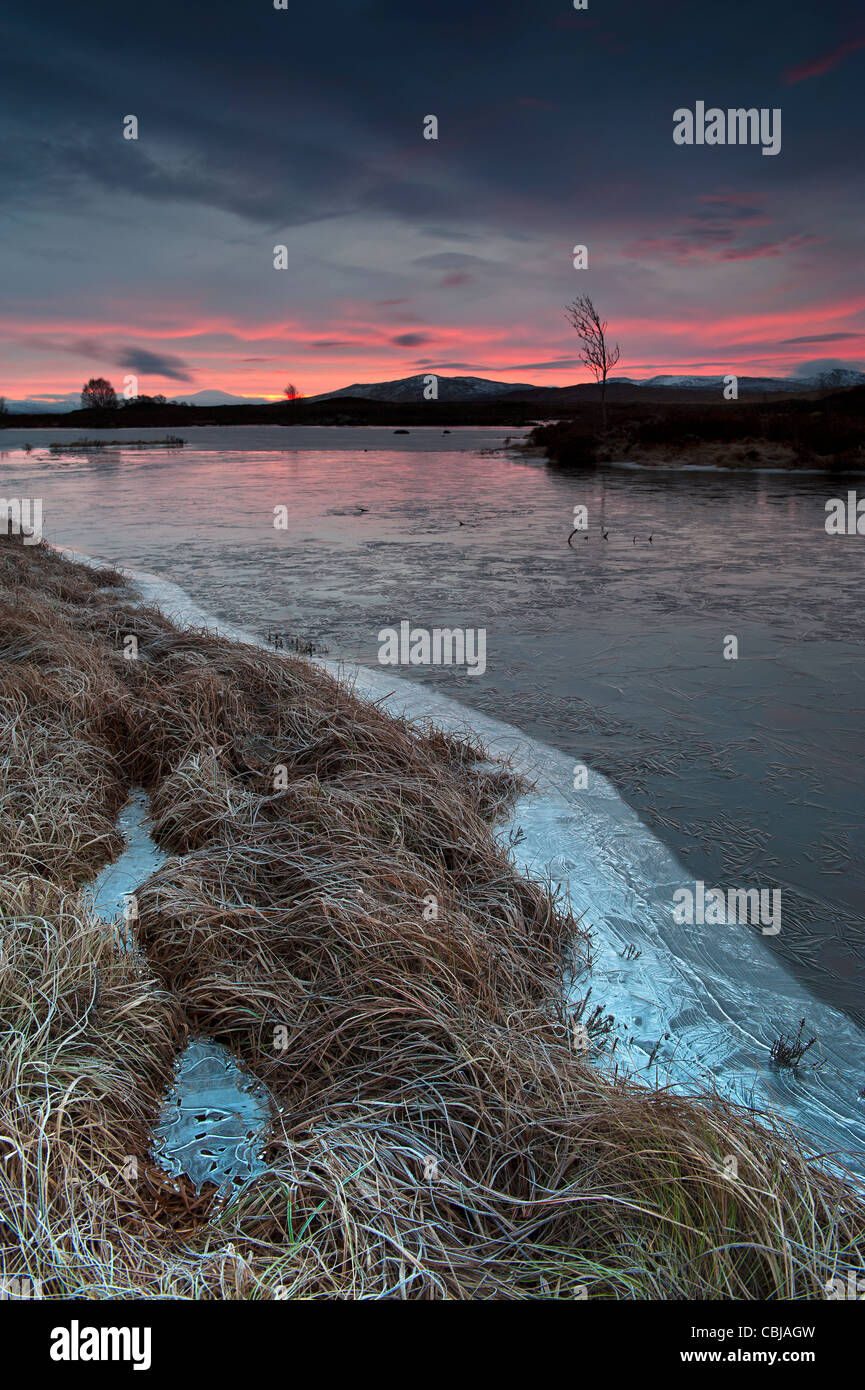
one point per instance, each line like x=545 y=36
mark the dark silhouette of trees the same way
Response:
x=291 y=392
x=98 y=394
x=594 y=352
x=146 y=401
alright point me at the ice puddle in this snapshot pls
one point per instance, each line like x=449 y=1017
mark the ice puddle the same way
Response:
x=215 y=1119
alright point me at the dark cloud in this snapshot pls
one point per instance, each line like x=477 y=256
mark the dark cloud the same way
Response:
x=236 y=91
x=285 y=118
x=823 y=338
x=407 y=198
x=735 y=209
x=153 y=363
x=259 y=126
x=411 y=339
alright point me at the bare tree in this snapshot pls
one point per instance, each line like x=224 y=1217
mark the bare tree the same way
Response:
x=592 y=333
x=291 y=393
x=98 y=394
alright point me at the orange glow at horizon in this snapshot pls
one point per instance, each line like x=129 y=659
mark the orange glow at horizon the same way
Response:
x=54 y=357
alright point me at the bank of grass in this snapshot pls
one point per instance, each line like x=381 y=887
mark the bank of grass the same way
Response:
x=795 y=433
x=435 y=1134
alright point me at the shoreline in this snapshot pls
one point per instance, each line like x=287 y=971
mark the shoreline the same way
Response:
x=740 y=435
x=457 y=438
x=536 y=456
x=445 y=1123
x=626 y=879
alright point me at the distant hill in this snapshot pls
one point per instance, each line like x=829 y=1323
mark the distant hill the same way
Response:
x=219 y=398
x=822 y=381
x=657 y=389
x=60 y=405
x=411 y=388
x=49 y=405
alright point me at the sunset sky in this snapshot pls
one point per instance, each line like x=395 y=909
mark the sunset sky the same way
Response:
x=304 y=126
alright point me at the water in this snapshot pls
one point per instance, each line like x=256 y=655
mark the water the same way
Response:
x=113 y=890
x=609 y=651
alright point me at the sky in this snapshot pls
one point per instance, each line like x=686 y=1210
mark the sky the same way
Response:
x=304 y=128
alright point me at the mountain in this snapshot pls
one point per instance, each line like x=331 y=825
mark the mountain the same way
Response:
x=219 y=398
x=623 y=388
x=411 y=388
x=53 y=405
x=57 y=405
x=822 y=381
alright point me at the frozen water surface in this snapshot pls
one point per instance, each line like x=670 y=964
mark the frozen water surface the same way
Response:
x=116 y=883
x=215 y=1119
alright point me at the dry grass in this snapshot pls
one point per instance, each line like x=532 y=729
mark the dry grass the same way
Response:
x=436 y=1135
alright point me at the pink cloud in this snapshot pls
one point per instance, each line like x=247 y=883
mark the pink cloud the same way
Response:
x=353 y=343
x=815 y=67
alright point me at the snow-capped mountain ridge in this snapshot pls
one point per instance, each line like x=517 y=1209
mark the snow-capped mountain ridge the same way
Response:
x=836 y=378
x=411 y=388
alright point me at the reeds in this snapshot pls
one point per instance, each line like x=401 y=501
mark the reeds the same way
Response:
x=336 y=912
x=170 y=441
x=789 y=1048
